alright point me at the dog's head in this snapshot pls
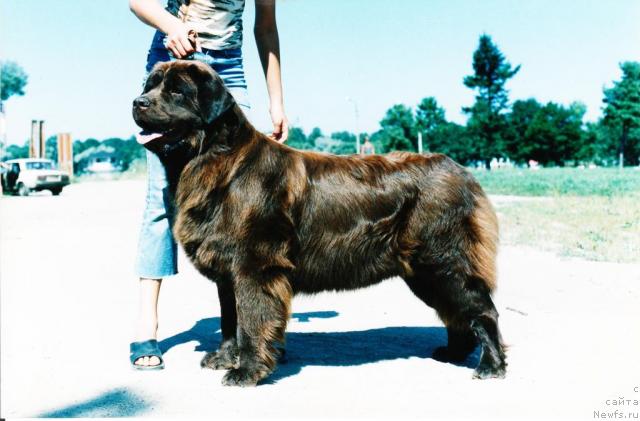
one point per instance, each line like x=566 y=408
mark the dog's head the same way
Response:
x=179 y=99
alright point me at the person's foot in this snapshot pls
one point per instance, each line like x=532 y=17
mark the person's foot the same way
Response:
x=147 y=361
x=147 y=330
x=147 y=348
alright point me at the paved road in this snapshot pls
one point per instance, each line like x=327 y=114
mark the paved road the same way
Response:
x=68 y=297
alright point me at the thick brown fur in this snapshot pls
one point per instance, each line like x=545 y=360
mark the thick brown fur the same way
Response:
x=266 y=222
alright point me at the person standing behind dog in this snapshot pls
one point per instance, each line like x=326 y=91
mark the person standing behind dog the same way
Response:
x=218 y=27
x=367 y=148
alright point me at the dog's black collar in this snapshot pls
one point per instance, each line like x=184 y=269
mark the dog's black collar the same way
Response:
x=166 y=149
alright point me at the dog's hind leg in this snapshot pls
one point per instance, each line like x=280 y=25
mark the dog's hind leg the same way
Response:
x=461 y=339
x=263 y=303
x=465 y=306
x=226 y=356
x=492 y=361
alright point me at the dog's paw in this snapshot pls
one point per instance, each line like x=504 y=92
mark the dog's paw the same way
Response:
x=489 y=372
x=242 y=377
x=221 y=360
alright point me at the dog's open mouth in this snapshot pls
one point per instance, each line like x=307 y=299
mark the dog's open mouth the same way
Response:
x=145 y=136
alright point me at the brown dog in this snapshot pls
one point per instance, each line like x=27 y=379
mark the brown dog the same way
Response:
x=265 y=222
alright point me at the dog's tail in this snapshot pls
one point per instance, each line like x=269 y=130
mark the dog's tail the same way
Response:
x=484 y=246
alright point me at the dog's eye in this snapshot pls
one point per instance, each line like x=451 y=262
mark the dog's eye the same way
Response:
x=153 y=80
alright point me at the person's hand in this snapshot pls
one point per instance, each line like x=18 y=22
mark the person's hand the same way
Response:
x=182 y=40
x=280 y=123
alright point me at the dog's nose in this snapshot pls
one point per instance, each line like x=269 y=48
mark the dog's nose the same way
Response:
x=141 y=102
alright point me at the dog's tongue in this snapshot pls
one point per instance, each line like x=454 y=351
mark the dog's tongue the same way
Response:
x=145 y=137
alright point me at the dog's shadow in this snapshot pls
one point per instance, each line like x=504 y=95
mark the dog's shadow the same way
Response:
x=331 y=348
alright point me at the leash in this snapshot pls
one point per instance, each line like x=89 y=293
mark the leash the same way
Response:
x=192 y=35
x=196 y=55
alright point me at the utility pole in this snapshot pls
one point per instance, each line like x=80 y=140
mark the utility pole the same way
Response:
x=355 y=110
x=3 y=132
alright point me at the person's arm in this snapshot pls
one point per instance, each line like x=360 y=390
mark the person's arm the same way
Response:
x=153 y=14
x=268 y=43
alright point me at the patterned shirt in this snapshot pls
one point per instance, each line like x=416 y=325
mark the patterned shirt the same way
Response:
x=217 y=22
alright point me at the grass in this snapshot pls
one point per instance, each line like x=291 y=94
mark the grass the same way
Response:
x=560 y=181
x=591 y=214
x=597 y=228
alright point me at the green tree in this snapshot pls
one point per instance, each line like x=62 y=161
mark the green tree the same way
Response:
x=595 y=147
x=429 y=117
x=452 y=140
x=126 y=150
x=298 y=140
x=394 y=139
x=574 y=129
x=555 y=134
x=622 y=112
x=550 y=134
x=487 y=122
x=80 y=146
x=379 y=141
x=314 y=135
x=519 y=120
x=13 y=80
x=51 y=148
x=345 y=143
x=16 y=151
x=398 y=129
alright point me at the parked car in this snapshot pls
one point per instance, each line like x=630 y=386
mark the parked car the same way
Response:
x=22 y=176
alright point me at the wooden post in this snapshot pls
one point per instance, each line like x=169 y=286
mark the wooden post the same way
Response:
x=34 y=143
x=41 y=146
x=65 y=153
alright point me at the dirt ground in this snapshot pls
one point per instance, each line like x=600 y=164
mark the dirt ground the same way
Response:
x=69 y=295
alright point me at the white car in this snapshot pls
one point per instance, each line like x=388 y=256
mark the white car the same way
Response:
x=22 y=176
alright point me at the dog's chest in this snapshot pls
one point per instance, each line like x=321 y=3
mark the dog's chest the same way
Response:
x=206 y=229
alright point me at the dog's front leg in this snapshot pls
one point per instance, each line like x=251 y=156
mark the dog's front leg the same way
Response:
x=227 y=356
x=263 y=306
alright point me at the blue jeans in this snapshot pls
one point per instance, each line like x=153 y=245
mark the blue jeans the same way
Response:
x=157 y=250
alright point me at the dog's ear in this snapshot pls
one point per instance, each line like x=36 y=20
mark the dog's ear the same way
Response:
x=213 y=97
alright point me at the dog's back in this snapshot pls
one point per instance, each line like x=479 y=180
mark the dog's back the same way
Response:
x=363 y=219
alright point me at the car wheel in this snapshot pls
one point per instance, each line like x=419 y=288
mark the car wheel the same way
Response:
x=23 y=190
x=56 y=191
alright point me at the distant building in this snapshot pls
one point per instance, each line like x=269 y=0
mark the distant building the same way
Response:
x=102 y=162
x=98 y=160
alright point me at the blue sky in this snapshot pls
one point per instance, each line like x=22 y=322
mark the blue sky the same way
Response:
x=85 y=58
